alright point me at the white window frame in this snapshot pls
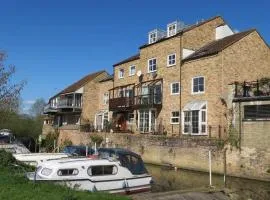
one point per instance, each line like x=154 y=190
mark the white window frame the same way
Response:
x=106 y=98
x=150 y=119
x=130 y=71
x=151 y=40
x=148 y=62
x=168 y=60
x=172 y=117
x=172 y=88
x=120 y=74
x=192 y=84
x=200 y=122
x=173 y=32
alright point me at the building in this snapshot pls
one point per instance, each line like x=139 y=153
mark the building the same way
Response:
x=178 y=83
x=82 y=105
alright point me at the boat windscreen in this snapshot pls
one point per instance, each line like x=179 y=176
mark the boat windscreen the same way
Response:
x=133 y=163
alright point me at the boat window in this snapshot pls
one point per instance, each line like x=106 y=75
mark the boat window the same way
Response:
x=101 y=170
x=133 y=163
x=67 y=172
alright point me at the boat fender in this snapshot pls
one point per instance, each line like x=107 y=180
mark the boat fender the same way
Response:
x=152 y=182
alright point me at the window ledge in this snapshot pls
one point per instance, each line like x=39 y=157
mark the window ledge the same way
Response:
x=171 y=65
x=256 y=120
x=175 y=94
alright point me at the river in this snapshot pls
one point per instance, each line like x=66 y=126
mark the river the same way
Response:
x=166 y=179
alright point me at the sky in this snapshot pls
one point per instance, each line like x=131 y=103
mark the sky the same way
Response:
x=54 y=43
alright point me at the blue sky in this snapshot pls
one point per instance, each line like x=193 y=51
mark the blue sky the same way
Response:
x=53 y=43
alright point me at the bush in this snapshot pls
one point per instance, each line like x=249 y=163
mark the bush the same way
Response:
x=48 y=142
x=95 y=138
x=6 y=159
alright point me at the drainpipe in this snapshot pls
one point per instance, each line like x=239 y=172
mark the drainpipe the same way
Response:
x=180 y=95
x=240 y=124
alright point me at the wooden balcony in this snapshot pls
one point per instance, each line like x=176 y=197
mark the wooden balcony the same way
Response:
x=49 y=109
x=121 y=104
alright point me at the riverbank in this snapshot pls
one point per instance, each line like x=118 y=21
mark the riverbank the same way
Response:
x=14 y=186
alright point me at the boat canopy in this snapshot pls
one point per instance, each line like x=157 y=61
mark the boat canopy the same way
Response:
x=128 y=159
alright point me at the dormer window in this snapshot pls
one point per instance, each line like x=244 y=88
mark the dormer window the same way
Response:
x=152 y=37
x=175 y=27
x=155 y=35
x=171 y=29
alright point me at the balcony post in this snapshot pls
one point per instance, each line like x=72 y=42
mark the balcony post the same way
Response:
x=236 y=89
x=258 y=87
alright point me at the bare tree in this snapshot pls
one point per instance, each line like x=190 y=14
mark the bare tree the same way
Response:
x=37 y=108
x=9 y=92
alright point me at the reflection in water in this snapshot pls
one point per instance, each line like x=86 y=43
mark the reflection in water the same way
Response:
x=166 y=180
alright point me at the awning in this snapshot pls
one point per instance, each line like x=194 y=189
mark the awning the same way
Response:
x=194 y=105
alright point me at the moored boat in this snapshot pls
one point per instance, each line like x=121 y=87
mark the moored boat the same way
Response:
x=124 y=173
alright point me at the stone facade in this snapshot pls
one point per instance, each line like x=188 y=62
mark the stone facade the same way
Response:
x=191 y=39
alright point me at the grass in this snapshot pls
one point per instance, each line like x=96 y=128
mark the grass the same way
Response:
x=14 y=186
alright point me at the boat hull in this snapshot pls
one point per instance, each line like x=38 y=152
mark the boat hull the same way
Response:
x=118 y=186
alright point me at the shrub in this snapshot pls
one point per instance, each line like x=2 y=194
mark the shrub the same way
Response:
x=48 y=142
x=6 y=158
x=95 y=138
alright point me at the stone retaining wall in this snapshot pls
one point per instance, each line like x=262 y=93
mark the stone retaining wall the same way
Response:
x=189 y=153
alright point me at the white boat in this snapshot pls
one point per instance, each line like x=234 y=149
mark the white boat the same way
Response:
x=125 y=173
x=35 y=159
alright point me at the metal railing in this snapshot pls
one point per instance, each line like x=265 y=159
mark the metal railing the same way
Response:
x=259 y=88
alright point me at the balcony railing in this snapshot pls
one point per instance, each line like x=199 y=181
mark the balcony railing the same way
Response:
x=69 y=103
x=252 y=90
x=121 y=103
x=49 y=109
x=148 y=100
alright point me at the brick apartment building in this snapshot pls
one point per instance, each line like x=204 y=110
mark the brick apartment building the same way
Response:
x=180 y=81
x=84 y=103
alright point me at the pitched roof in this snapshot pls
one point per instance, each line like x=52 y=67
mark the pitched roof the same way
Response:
x=109 y=78
x=80 y=83
x=131 y=58
x=182 y=31
x=217 y=46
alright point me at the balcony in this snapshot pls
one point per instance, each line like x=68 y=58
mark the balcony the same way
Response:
x=148 y=101
x=69 y=103
x=252 y=91
x=49 y=109
x=121 y=104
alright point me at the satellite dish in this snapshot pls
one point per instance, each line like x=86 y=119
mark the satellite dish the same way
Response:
x=139 y=73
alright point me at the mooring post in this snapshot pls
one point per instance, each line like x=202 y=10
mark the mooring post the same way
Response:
x=86 y=150
x=210 y=169
x=225 y=167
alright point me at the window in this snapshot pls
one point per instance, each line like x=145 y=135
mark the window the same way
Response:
x=106 y=98
x=132 y=70
x=175 y=88
x=102 y=170
x=130 y=118
x=152 y=37
x=121 y=73
x=254 y=112
x=152 y=65
x=147 y=121
x=194 y=121
x=175 y=117
x=171 y=60
x=171 y=30
x=198 y=85
x=68 y=172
